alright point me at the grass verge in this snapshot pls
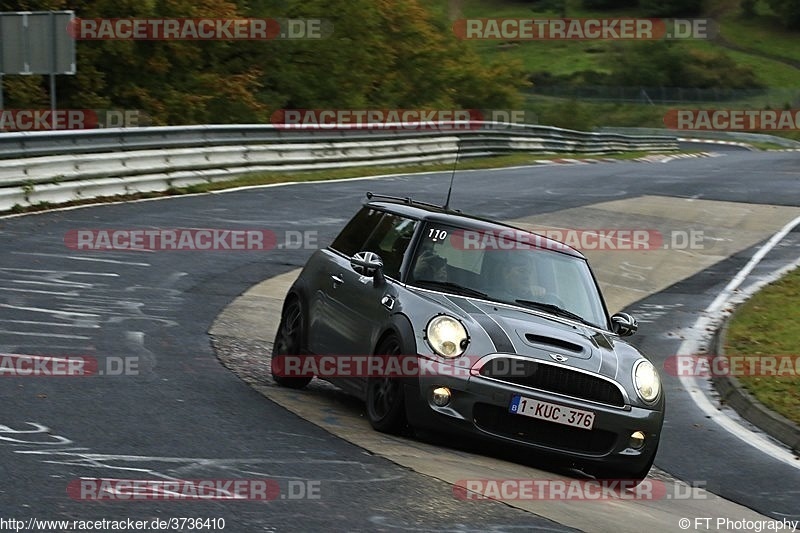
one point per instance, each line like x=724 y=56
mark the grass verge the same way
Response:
x=767 y=325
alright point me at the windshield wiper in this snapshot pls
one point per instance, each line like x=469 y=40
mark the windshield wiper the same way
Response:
x=556 y=310
x=455 y=287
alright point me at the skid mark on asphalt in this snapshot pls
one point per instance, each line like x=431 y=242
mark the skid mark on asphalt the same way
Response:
x=53 y=312
x=38 y=441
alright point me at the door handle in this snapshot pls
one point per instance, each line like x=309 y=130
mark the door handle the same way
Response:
x=337 y=280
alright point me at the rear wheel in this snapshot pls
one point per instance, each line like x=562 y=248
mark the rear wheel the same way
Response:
x=385 y=395
x=289 y=340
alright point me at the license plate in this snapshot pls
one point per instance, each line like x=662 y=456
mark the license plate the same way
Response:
x=577 y=418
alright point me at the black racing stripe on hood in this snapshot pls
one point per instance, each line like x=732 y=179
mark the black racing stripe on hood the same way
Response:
x=499 y=338
x=609 y=363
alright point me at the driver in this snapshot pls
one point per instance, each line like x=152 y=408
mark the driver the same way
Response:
x=516 y=278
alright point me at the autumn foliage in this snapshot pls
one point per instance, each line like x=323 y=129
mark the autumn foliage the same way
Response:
x=382 y=54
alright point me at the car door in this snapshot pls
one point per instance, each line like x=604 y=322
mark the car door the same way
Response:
x=328 y=278
x=357 y=305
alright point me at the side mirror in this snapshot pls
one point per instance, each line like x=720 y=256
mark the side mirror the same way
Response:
x=624 y=325
x=368 y=264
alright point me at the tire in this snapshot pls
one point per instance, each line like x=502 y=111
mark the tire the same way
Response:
x=386 y=409
x=289 y=340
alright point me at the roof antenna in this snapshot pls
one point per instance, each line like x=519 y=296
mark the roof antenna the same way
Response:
x=452 y=177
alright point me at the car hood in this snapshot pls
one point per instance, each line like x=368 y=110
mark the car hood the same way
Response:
x=542 y=336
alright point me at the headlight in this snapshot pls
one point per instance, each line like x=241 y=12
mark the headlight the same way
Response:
x=646 y=381
x=447 y=336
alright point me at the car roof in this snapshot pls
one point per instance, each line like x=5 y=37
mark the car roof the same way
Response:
x=431 y=213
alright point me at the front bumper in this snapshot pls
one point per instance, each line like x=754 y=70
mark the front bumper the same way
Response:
x=480 y=406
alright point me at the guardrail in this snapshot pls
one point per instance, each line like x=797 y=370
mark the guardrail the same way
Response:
x=733 y=136
x=61 y=166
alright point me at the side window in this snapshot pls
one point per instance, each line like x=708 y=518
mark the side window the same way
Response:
x=353 y=236
x=390 y=240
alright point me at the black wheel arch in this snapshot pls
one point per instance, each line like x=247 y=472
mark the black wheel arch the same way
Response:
x=400 y=326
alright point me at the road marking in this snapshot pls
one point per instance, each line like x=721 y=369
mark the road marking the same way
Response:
x=48 y=311
x=49 y=335
x=86 y=258
x=50 y=324
x=76 y=272
x=33 y=291
x=712 y=317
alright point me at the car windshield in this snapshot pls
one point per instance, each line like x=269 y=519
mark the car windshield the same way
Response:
x=508 y=268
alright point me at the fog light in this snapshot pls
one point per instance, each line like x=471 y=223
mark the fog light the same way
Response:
x=637 y=440
x=441 y=396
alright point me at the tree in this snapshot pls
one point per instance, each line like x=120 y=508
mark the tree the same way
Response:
x=788 y=12
x=672 y=8
x=383 y=53
x=669 y=64
x=609 y=4
x=172 y=82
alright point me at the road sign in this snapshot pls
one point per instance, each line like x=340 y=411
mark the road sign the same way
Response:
x=36 y=42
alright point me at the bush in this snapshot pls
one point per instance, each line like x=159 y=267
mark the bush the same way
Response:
x=609 y=4
x=672 y=8
x=667 y=64
x=788 y=12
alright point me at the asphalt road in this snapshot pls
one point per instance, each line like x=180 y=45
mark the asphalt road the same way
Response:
x=184 y=416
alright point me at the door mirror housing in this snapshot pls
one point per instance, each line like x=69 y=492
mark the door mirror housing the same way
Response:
x=624 y=324
x=368 y=264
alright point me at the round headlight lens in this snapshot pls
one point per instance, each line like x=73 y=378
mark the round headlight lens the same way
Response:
x=447 y=336
x=646 y=380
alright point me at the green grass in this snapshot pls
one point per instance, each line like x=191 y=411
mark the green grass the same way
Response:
x=770 y=72
x=556 y=57
x=766 y=145
x=758 y=35
x=587 y=115
x=767 y=325
x=762 y=32
x=464 y=164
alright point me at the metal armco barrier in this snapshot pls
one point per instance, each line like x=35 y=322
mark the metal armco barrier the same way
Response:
x=60 y=166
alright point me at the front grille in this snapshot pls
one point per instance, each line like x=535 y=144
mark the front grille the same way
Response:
x=499 y=421
x=556 y=379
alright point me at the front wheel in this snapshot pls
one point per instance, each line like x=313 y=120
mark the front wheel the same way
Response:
x=385 y=396
x=289 y=340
